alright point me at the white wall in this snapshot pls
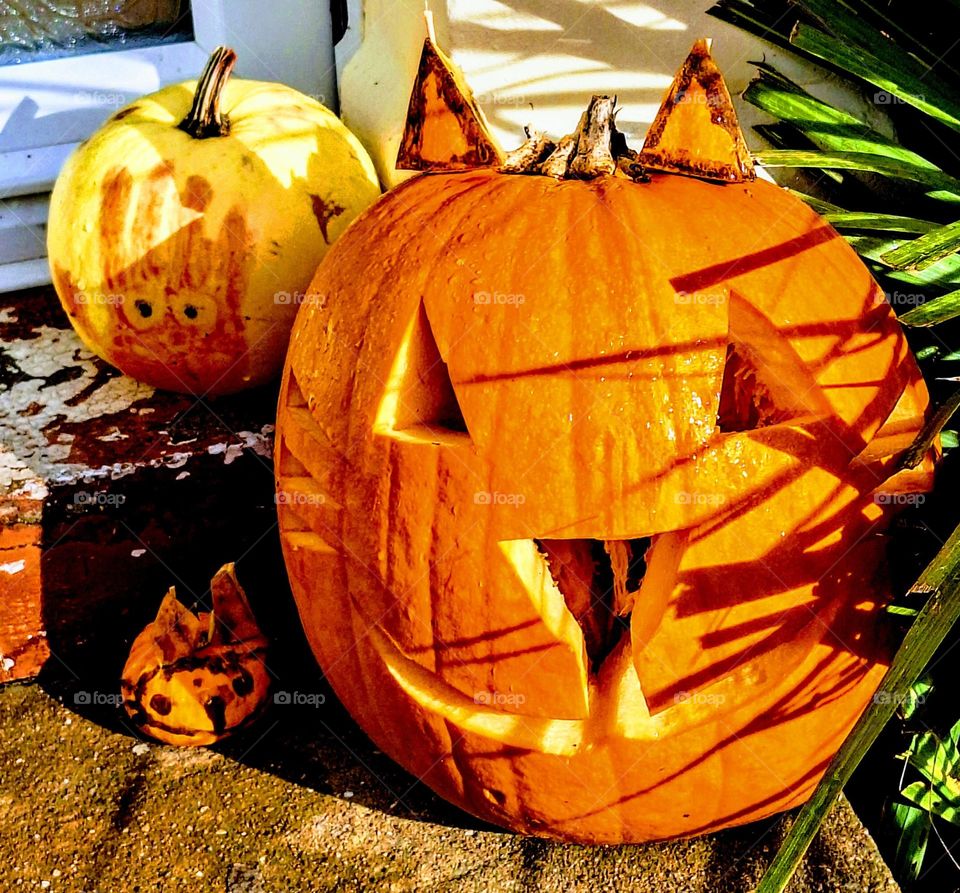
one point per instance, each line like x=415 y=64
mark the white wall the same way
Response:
x=539 y=61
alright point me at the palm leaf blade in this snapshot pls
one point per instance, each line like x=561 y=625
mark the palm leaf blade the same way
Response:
x=933 y=312
x=925 y=95
x=927 y=250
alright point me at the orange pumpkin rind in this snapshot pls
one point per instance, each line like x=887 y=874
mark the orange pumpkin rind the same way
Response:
x=594 y=548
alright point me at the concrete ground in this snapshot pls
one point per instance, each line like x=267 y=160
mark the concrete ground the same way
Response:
x=303 y=802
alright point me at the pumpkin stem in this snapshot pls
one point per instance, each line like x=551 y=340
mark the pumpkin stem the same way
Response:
x=529 y=154
x=205 y=120
x=594 y=152
x=596 y=148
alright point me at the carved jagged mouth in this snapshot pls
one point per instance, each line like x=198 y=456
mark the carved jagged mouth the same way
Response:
x=599 y=580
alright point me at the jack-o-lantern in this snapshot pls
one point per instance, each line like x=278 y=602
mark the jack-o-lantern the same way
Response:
x=194 y=679
x=584 y=458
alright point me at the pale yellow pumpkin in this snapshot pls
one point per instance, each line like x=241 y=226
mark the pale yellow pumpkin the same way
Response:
x=182 y=234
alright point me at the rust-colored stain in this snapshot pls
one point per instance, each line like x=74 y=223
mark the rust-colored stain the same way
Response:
x=67 y=290
x=325 y=212
x=114 y=203
x=196 y=194
x=161 y=171
x=177 y=307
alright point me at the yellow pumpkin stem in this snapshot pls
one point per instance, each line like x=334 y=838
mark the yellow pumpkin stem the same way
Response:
x=205 y=120
x=696 y=131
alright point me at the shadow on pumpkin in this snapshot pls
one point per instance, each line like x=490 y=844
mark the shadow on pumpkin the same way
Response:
x=804 y=559
x=715 y=625
x=788 y=707
x=819 y=534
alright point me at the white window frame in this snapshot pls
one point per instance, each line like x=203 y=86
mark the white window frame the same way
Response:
x=48 y=107
x=349 y=43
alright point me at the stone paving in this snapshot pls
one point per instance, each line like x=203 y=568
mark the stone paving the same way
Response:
x=303 y=802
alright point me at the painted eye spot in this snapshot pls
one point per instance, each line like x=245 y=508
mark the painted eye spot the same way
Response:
x=160 y=704
x=243 y=684
x=216 y=710
x=144 y=308
x=195 y=312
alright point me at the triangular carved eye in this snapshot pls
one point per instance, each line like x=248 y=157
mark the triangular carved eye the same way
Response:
x=765 y=381
x=745 y=399
x=419 y=393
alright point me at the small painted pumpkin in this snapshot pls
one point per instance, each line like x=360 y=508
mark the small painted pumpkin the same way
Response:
x=184 y=232
x=195 y=679
x=585 y=456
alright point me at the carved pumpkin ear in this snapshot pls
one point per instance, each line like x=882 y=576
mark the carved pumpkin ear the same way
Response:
x=696 y=131
x=173 y=617
x=446 y=129
x=234 y=618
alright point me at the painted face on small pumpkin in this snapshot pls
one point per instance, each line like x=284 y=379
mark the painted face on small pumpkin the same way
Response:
x=195 y=679
x=169 y=330
x=580 y=470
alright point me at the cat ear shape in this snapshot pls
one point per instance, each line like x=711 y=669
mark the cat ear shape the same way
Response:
x=696 y=131
x=176 y=621
x=234 y=618
x=445 y=129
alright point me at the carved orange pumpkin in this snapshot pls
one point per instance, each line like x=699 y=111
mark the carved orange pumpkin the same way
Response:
x=582 y=468
x=195 y=679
